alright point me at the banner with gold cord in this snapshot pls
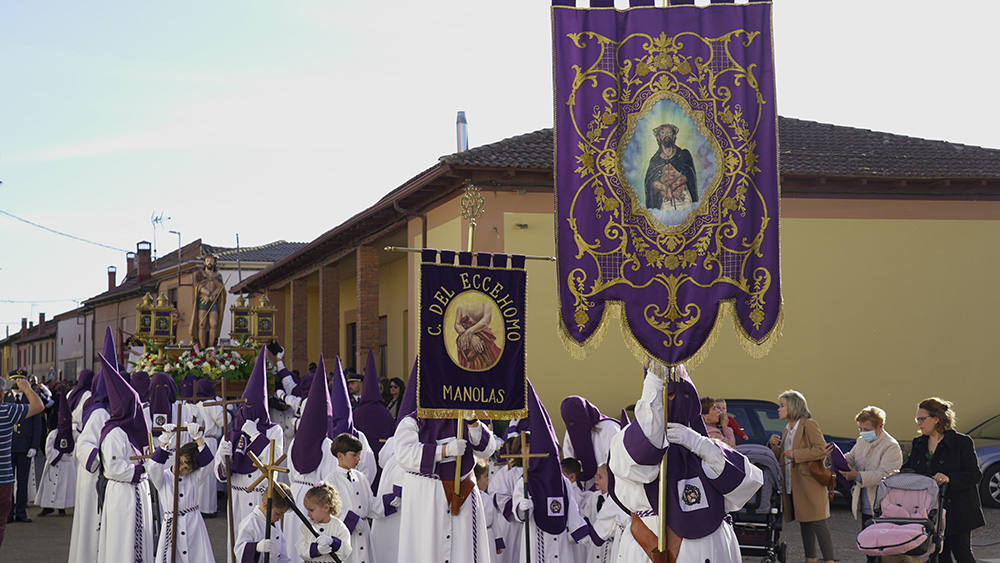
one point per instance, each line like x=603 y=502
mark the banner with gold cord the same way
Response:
x=666 y=173
x=471 y=342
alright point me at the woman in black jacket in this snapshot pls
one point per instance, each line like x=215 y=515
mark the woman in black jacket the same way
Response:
x=949 y=457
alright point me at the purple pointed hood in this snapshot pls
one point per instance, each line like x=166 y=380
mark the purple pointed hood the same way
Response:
x=64 y=431
x=343 y=419
x=126 y=410
x=98 y=390
x=255 y=407
x=140 y=382
x=83 y=383
x=307 y=449
x=162 y=396
x=408 y=404
x=187 y=385
x=580 y=416
x=545 y=478
x=204 y=389
x=371 y=416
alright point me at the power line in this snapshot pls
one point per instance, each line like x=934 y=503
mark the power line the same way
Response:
x=35 y=301
x=60 y=233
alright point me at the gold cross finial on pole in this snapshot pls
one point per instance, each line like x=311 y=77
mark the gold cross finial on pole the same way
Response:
x=473 y=207
x=149 y=437
x=267 y=470
x=525 y=456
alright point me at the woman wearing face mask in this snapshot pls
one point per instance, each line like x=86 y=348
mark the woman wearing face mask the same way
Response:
x=875 y=455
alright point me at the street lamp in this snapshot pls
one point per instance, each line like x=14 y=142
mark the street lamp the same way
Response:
x=178 y=233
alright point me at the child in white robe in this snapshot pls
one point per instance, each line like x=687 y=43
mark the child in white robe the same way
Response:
x=385 y=531
x=359 y=504
x=546 y=547
x=250 y=541
x=57 y=485
x=322 y=503
x=193 y=543
x=210 y=419
x=482 y=473
x=606 y=517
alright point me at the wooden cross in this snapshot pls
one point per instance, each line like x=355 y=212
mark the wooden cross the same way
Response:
x=267 y=471
x=177 y=467
x=225 y=402
x=525 y=456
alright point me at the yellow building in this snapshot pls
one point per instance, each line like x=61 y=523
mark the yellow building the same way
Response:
x=888 y=260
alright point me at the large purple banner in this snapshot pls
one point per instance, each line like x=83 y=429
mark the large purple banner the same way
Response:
x=666 y=174
x=472 y=313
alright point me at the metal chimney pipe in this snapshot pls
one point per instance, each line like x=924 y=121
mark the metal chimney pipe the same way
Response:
x=462 y=127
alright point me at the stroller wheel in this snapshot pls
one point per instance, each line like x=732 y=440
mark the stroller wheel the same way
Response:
x=782 y=552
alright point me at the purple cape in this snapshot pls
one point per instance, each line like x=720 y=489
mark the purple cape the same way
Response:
x=408 y=404
x=545 y=478
x=126 y=410
x=83 y=383
x=580 y=416
x=371 y=416
x=307 y=449
x=140 y=382
x=64 y=430
x=98 y=390
x=343 y=419
x=162 y=395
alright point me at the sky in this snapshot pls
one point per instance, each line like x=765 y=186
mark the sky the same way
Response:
x=279 y=120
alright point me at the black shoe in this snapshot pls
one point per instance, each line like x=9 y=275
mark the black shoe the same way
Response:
x=45 y=512
x=24 y=519
x=62 y=512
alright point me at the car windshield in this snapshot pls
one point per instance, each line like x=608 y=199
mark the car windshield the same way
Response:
x=989 y=430
x=770 y=421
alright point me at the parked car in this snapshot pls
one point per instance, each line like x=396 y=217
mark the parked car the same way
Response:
x=986 y=438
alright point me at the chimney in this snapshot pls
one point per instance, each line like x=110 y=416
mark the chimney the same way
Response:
x=24 y=324
x=462 y=127
x=130 y=262
x=143 y=259
x=41 y=320
x=112 y=272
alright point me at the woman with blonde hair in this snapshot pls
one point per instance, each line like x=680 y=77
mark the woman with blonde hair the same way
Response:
x=949 y=457
x=803 y=497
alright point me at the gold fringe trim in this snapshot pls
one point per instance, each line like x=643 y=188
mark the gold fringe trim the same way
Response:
x=472 y=414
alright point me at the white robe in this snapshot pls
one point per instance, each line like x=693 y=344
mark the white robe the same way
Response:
x=601 y=436
x=719 y=546
x=300 y=484
x=127 y=516
x=58 y=482
x=546 y=547
x=245 y=500
x=609 y=522
x=509 y=528
x=251 y=531
x=491 y=519
x=306 y=548
x=358 y=506
x=385 y=531
x=86 y=520
x=77 y=415
x=428 y=531
x=193 y=543
x=211 y=419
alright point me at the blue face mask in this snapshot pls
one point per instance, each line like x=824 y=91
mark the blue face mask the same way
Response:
x=868 y=435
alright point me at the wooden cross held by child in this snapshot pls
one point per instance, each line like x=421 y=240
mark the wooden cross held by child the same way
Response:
x=525 y=456
x=267 y=471
x=177 y=467
x=225 y=402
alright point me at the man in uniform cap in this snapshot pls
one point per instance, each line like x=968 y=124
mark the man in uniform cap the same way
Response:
x=25 y=443
x=354 y=381
x=12 y=414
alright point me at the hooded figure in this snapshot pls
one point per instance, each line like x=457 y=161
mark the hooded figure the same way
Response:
x=141 y=382
x=57 y=486
x=210 y=419
x=127 y=514
x=342 y=420
x=187 y=385
x=706 y=480
x=371 y=416
x=81 y=389
x=588 y=436
x=86 y=521
x=162 y=396
x=254 y=432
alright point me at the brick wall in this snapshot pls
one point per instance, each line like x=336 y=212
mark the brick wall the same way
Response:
x=297 y=338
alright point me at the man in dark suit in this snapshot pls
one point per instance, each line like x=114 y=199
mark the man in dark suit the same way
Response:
x=25 y=444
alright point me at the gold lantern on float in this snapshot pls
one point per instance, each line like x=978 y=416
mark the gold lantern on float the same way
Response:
x=163 y=321
x=241 y=322
x=262 y=321
x=144 y=318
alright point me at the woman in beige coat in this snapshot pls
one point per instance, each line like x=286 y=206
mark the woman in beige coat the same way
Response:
x=804 y=499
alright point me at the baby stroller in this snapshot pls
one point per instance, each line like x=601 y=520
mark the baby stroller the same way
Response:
x=758 y=523
x=909 y=518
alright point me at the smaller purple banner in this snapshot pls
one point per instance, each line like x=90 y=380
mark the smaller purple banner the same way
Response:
x=472 y=332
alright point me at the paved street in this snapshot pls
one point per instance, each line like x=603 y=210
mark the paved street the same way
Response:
x=47 y=539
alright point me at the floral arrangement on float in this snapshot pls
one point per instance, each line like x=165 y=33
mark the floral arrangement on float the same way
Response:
x=215 y=364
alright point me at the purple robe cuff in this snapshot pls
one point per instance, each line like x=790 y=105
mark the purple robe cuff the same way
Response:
x=351 y=521
x=258 y=444
x=397 y=490
x=500 y=544
x=204 y=457
x=640 y=448
x=335 y=545
x=250 y=554
x=427 y=459
x=137 y=474
x=598 y=541
x=56 y=460
x=580 y=533
x=160 y=455
x=485 y=437
x=387 y=504
x=94 y=453
x=733 y=473
x=508 y=510
x=314 y=551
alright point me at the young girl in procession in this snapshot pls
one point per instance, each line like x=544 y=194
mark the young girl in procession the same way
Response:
x=250 y=541
x=606 y=517
x=193 y=543
x=58 y=482
x=482 y=473
x=359 y=502
x=322 y=503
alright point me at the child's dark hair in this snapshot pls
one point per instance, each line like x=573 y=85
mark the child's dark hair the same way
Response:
x=480 y=469
x=325 y=495
x=279 y=501
x=571 y=465
x=706 y=404
x=344 y=443
x=189 y=451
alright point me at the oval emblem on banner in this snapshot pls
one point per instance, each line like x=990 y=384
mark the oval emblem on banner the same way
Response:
x=474 y=331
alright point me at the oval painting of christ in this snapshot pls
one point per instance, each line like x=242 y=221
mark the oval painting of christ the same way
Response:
x=473 y=331
x=669 y=162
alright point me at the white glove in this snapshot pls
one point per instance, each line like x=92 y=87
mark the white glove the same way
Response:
x=524 y=506
x=250 y=429
x=279 y=394
x=32 y=452
x=324 y=540
x=265 y=546
x=699 y=445
x=280 y=354
x=324 y=549
x=166 y=438
x=455 y=448
x=195 y=432
x=225 y=448
x=395 y=502
x=169 y=427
